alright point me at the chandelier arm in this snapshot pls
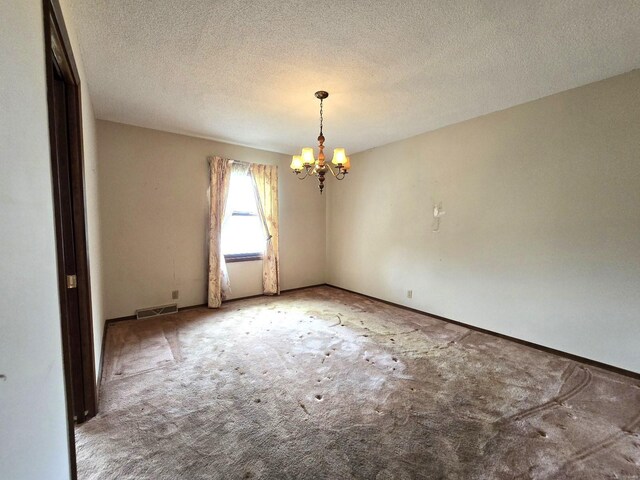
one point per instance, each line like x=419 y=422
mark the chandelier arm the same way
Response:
x=308 y=171
x=340 y=175
x=335 y=175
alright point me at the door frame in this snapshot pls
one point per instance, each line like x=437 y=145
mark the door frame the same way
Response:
x=58 y=50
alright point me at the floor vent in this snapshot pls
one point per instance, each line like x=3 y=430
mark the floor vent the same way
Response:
x=157 y=311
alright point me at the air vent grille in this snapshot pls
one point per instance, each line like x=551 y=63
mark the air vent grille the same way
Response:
x=157 y=311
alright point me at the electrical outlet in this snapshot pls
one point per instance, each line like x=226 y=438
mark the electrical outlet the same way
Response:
x=175 y=294
x=409 y=293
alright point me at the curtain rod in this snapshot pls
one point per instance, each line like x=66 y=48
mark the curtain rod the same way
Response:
x=238 y=161
x=210 y=157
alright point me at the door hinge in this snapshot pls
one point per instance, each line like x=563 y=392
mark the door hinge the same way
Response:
x=72 y=281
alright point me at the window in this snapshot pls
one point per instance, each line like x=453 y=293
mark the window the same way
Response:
x=243 y=236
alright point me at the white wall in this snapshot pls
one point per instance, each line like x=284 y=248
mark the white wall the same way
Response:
x=541 y=235
x=92 y=195
x=33 y=428
x=154 y=207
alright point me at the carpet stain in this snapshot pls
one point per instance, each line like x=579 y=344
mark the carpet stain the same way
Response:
x=325 y=384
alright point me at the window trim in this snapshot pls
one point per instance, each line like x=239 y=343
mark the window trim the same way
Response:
x=240 y=213
x=242 y=257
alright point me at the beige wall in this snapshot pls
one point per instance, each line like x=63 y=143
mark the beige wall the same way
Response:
x=33 y=425
x=541 y=233
x=92 y=196
x=154 y=207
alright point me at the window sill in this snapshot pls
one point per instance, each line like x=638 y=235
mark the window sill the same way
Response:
x=243 y=257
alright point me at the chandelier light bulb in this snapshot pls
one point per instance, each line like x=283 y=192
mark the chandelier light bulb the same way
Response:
x=296 y=163
x=307 y=156
x=339 y=157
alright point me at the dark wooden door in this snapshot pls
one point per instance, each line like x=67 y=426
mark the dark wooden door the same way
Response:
x=69 y=300
x=65 y=135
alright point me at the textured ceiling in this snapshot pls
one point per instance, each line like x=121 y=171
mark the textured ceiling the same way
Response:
x=245 y=71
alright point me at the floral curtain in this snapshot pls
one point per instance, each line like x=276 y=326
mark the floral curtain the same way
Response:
x=265 y=180
x=220 y=176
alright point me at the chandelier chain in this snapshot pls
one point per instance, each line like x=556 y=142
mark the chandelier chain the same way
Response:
x=321 y=117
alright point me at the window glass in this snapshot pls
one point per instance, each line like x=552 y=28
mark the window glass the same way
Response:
x=241 y=194
x=243 y=232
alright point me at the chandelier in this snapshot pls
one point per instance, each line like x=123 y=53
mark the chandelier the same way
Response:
x=305 y=162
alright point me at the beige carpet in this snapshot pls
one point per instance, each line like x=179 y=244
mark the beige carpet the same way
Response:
x=324 y=384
